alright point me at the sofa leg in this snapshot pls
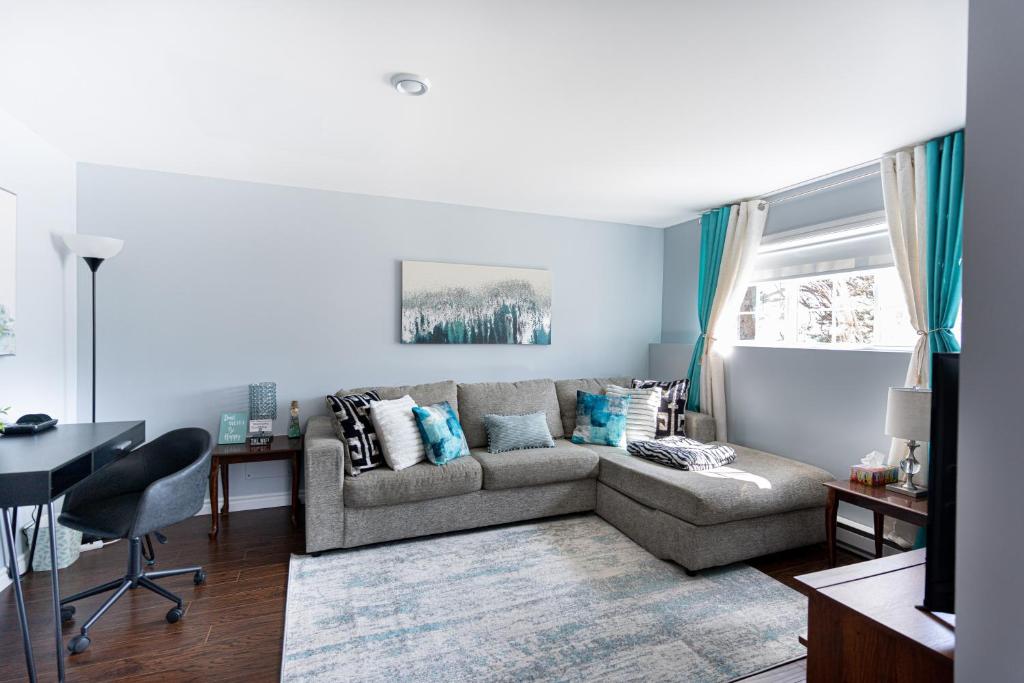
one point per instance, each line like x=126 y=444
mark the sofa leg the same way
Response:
x=689 y=572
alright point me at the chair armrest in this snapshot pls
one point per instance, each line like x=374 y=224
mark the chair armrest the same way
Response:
x=700 y=427
x=324 y=469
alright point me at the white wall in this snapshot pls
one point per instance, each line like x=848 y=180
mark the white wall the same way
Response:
x=224 y=283
x=825 y=407
x=990 y=516
x=41 y=377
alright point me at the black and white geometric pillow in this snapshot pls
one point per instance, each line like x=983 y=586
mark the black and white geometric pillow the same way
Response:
x=354 y=427
x=672 y=413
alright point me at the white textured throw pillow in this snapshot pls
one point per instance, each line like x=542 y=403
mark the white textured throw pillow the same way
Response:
x=642 y=416
x=397 y=432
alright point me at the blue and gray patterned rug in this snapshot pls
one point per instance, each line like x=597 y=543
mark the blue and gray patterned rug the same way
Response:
x=570 y=599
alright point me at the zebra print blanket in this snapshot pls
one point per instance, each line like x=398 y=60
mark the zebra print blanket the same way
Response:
x=683 y=453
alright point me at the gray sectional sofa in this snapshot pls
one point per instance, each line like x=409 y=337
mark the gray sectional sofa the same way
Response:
x=762 y=503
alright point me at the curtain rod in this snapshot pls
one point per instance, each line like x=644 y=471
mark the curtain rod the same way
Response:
x=804 y=183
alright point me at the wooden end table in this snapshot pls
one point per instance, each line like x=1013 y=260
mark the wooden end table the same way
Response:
x=882 y=502
x=280 y=448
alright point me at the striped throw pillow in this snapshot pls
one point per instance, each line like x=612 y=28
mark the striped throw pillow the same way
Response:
x=398 y=433
x=517 y=432
x=642 y=415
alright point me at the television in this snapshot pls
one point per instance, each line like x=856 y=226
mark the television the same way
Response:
x=941 y=530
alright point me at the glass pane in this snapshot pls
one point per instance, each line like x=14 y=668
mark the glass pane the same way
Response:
x=747 y=305
x=814 y=326
x=747 y=328
x=855 y=326
x=857 y=291
x=816 y=294
x=771 y=318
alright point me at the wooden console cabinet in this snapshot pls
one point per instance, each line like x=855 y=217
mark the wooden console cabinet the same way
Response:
x=864 y=626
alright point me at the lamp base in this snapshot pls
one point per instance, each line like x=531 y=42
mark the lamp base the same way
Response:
x=916 y=492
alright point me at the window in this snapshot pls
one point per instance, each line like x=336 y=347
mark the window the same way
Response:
x=831 y=286
x=856 y=309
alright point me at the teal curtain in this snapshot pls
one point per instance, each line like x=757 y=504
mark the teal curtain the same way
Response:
x=944 y=175
x=713 y=226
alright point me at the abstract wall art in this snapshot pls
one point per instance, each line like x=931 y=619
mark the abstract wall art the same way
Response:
x=450 y=303
x=8 y=232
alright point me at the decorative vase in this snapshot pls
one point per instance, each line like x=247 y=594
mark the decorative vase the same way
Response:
x=294 y=430
x=263 y=401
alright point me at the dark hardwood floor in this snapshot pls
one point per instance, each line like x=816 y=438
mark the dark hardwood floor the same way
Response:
x=233 y=625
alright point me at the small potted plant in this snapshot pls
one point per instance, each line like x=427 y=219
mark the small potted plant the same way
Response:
x=3 y=415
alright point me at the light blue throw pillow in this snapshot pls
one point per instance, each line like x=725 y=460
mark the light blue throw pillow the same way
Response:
x=441 y=432
x=601 y=419
x=516 y=432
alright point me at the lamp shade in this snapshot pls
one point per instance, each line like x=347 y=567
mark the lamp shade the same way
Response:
x=908 y=414
x=93 y=246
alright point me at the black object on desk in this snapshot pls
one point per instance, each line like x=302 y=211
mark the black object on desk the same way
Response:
x=30 y=424
x=35 y=470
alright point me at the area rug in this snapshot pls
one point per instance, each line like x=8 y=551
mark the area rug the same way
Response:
x=571 y=599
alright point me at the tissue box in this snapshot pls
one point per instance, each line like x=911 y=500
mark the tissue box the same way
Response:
x=874 y=476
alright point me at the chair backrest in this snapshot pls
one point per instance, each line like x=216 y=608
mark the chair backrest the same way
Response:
x=177 y=467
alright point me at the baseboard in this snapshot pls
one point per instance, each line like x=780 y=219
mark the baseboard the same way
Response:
x=22 y=563
x=256 y=501
x=860 y=539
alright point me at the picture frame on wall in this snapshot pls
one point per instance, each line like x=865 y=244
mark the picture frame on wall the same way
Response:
x=455 y=303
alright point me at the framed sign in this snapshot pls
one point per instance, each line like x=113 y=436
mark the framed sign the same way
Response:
x=233 y=428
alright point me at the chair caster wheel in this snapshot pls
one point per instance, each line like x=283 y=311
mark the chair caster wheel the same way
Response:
x=67 y=612
x=174 y=615
x=199 y=577
x=79 y=643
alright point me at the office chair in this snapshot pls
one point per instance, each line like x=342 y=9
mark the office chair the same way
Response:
x=158 y=484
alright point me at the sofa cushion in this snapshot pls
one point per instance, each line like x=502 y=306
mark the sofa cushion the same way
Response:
x=505 y=398
x=422 y=481
x=565 y=390
x=535 y=466
x=423 y=394
x=755 y=485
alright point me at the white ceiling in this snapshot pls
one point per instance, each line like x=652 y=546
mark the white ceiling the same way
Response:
x=630 y=111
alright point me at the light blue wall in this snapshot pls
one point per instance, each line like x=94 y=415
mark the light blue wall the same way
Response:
x=824 y=407
x=223 y=283
x=40 y=377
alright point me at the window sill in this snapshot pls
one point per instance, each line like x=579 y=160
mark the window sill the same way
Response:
x=822 y=347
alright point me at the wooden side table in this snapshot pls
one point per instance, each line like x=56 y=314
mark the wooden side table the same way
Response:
x=281 y=448
x=879 y=500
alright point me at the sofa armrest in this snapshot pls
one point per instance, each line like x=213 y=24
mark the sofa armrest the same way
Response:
x=324 y=469
x=700 y=426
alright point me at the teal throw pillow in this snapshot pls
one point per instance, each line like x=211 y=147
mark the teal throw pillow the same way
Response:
x=601 y=419
x=517 y=432
x=441 y=432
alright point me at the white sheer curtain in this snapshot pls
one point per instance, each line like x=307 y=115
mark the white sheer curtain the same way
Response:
x=742 y=239
x=905 y=193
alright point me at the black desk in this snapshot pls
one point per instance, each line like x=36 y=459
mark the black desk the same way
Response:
x=35 y=470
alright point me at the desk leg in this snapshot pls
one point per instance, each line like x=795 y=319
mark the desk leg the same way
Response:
x=831 y=518
x=295 y=489
x=19 y=597
x=224 y=482
x=55 y=587
x=879 y=532
x=214 y=509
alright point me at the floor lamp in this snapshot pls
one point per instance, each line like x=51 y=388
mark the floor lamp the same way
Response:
x=94 y=250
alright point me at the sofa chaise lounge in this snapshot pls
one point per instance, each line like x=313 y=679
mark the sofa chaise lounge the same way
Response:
x=760 y=504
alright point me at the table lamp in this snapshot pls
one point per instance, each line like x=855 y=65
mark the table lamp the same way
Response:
x=94 y=250
x=908 y=416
